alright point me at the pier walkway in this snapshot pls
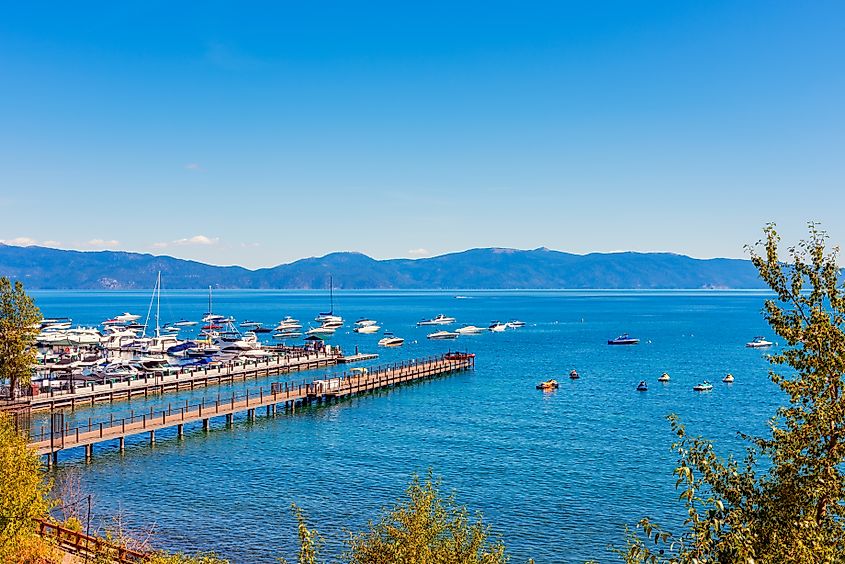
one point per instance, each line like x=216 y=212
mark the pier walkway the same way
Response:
x=61 y=437
x=188 y=379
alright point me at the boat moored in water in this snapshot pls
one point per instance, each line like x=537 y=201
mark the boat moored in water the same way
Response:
x=705 y=386
x=759 y=343
x=642 y=386
x=728 y=379
x=439 y=320
x=663 y=377
x=391 y=340
x=440 y=335
x=470 y=330
x=497 y=327
x=548 y=385
x=367 y=329
x=573 y=374
x=623 y=339
x=515 y=324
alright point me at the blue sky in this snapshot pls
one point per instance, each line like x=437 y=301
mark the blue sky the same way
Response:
x=257 y=133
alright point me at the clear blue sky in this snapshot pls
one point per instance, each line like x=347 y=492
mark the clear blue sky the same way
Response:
x=257 y=133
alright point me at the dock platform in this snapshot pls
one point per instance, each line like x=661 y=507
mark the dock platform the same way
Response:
x=291 y=396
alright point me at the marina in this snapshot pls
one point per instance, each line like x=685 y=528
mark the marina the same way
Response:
x=333 y=388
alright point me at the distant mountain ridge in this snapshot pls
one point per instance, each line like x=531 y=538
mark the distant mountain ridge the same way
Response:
x=488 y=268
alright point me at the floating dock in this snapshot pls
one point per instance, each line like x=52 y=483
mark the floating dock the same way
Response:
x=290 y=396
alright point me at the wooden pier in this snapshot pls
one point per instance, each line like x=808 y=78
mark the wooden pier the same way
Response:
x=290 y=396
x=195 y=377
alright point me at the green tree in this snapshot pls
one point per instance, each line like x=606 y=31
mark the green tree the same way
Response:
x=23 y=493
x=19 y=324
x=426 y=527
x=785 y=501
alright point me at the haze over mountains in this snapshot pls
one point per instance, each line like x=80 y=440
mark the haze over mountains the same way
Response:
x=493 y=268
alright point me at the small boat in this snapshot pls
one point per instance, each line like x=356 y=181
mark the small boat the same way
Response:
x=548 y=385
x=363 y=322
x=623 y=339
x=703 y=387
x=248 y=324
x=439 y=320
x=758 y=343
x=573 y=374
x=728 y=379
x=469 y=330
x=127 y=318
x=288 y=335
x=439 y=335
x=321 y=331
x=261 y=329
x=185 y=323
x=367 y=329
x=212 y=318
x=642 y=386
x=497 y=327
x=391 y=340
x=515 y=324
x=663 y=377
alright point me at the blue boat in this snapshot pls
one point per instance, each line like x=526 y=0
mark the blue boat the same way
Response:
x=623 y=339
x=642 y=386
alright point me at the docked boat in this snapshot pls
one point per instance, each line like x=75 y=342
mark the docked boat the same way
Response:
x=127 y=318
x=322 y=330
x=515 y=324
x=185 y=323
x=642 y=386
x=663 y=377
x=391 y=340
x=728 y=379
x=573 y=374
x=440 y=335
x=548 y=385
x=470 y=330
x=497 y=327
x=623 y=339
x=288 y=323
x=367 y=329
x=758 y=343
x=439 y=320
x=261 y=329
x=703 y=387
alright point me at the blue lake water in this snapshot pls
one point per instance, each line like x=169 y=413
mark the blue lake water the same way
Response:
x=558 y=475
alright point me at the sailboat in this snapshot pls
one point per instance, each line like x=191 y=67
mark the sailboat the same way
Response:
x=159 y=343
x=329 y=318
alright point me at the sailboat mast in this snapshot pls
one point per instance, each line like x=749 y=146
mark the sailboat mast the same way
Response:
x=331 y=295
x=158 y=304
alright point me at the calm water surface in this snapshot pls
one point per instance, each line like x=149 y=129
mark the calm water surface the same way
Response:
x=557 y=474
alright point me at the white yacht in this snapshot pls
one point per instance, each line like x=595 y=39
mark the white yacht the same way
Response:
x=497 y=326
x=127 y=318
x=469 y=330
x=439 y=335
x=367 y=329
x=184 y=323
x=363 y=322
x=758 y=343
x=322 y=330
x=439 y=320
x=515 y=324
x=391 y=340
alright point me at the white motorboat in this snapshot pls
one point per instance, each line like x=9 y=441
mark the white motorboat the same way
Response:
x=391 y=340
x=288 y=324
x=363 y=322
x=515 y=324
x=470 y=330
x=185 y=323
x=439 y=320
x=497 y=327
x=249 y=324
x=212 y=318
x=287 y=335
x=322 y=330
x=367 y=329
x=127 y=318
x=759 y=343
x=439 y=335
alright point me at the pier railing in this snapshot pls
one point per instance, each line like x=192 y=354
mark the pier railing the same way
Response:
x=59 y=434
x=80 y=544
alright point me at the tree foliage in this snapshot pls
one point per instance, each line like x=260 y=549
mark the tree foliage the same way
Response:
x=785 y=501
x=19 y=323
x=23 y=493
x=426 y=527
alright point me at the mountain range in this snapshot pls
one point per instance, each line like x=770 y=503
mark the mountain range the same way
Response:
x=488 y=268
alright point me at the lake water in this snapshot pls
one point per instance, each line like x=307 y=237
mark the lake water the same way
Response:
x=558 y=475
